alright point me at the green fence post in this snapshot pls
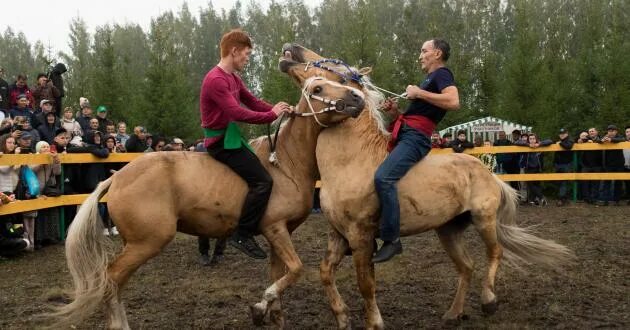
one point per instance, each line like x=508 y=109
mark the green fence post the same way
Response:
x=575 y=182
x=62 y=217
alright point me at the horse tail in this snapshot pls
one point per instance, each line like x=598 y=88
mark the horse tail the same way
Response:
x=88 y=253
x=520 y=245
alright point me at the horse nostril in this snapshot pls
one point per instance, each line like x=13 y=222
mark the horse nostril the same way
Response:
x=355 y=95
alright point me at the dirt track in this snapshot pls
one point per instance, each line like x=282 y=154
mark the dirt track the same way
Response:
x=172 y=291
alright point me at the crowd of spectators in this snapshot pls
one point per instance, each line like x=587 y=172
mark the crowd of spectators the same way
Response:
x=32 y=121
x=597 y=192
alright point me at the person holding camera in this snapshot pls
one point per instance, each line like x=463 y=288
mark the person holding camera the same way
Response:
x=55 y=76
x=45 y=90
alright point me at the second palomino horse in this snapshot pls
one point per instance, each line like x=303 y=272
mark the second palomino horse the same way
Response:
x=445 y=193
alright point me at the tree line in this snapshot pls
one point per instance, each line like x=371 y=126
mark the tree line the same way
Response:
x=542 y=63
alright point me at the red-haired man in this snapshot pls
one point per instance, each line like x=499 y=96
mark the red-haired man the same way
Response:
x=222 y=94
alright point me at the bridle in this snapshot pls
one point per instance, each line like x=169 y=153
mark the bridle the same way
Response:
x=338 y=105
x=351 y=74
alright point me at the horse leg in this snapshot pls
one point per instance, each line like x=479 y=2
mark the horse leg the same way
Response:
x=278 y=270
x=450 y=236
x=362 y=250
x=280 y=241
x=132 y=257
x=337 y=246
x=487 y=228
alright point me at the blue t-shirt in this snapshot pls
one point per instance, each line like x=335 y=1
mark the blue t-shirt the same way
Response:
x=435 y=82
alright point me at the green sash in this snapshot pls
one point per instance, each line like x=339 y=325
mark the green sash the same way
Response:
x=232 y=136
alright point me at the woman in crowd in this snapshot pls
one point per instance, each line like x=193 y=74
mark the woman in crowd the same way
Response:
x=531 y=162
x=70 y=124
x=113 y=147
x=47 y=224
x=157 y=144
x=8 y=173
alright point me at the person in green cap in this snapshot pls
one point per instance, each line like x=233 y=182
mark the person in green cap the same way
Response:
x=101 y=115
x=222 y=93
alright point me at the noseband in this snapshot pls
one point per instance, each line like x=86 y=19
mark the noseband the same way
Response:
x=338 y=105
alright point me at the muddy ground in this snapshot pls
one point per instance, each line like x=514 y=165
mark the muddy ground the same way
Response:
x=173 y=291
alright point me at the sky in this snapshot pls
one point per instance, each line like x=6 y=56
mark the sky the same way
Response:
x=49 y=21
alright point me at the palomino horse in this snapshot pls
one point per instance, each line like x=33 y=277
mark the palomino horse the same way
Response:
x=200 y=196
x=443 y=192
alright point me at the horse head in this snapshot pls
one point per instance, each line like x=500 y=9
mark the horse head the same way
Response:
x=301 y=63
x=329 y=102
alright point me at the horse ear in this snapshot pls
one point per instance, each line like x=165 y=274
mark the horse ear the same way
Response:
x=365 y=71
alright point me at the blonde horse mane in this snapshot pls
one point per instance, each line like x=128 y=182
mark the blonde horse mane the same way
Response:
x=371 y=126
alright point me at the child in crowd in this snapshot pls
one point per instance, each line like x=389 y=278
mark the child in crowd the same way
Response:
x=489 y=160
x=461 y=143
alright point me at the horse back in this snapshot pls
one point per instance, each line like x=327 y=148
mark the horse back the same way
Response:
x=189 y=191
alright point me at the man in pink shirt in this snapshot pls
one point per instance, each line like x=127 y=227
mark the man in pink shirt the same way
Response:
x=222 y=93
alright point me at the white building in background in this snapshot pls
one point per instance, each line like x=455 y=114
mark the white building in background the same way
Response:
x=488 y=128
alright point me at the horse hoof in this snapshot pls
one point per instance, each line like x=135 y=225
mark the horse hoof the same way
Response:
x=490 y=308
x=345 y=325
x=258 y=315
x=453 y=321
x=277 y=318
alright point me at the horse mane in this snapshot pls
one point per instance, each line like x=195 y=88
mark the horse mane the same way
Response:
x=371 y=126
x=373 y=99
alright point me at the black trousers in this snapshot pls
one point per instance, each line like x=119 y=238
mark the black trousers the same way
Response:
x=512 y=167
x=247 y=166
x=204 y=246
x=534 y=188
x=590 y=189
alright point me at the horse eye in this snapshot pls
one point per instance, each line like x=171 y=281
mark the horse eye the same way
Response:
x=317 y=90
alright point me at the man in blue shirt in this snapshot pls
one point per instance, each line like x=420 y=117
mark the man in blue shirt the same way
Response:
x=411 y=132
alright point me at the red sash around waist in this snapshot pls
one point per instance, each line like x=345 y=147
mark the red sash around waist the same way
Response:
x=420 y=123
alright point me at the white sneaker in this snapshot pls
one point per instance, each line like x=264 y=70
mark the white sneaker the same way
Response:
x=115 y=231
x=105 y=232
